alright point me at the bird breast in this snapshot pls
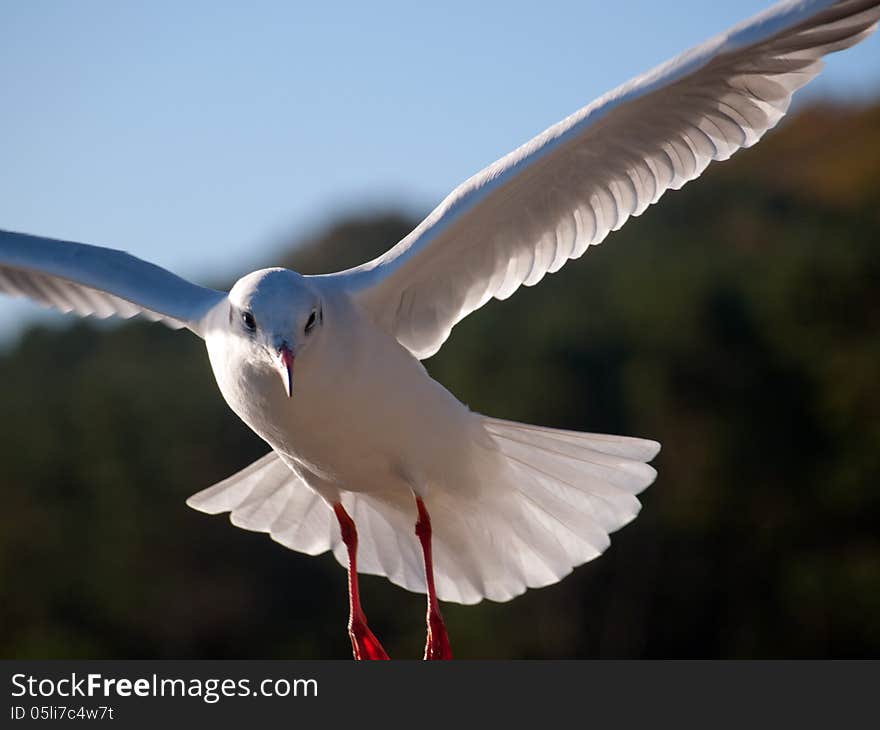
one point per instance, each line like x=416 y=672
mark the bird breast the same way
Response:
x=364 y=416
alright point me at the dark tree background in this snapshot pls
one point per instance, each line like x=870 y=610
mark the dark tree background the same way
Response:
x=737 y=322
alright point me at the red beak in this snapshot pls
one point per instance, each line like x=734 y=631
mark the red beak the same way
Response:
x=285 y=368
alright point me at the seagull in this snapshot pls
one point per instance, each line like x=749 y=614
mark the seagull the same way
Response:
x=369 y=456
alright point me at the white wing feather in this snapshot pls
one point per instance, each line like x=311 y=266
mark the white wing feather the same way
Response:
x=546 y=202
x=100 y=282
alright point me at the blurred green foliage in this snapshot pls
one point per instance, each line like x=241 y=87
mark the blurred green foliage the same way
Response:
x=737 y=322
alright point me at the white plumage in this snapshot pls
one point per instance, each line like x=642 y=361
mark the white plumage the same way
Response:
x=99 y=282
x=565 y=190
x=561 y=495
x=513 y=506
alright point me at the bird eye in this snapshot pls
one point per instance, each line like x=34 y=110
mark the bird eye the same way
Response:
x=310 y=324
x=248 y=320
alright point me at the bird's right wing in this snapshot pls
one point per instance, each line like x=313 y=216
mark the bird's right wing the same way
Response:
x=100 y=282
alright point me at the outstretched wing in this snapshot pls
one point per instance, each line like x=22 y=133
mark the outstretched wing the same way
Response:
x=546 y=202
x=100 y=282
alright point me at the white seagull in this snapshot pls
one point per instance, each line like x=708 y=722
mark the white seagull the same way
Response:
x=358 y=430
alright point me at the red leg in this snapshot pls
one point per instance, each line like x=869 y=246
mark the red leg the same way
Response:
x=364 y=644
x=437 y=646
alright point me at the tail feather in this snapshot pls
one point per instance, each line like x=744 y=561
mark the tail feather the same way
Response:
x=627 y=447
x=542 y=502
x=547 y=504
x=268 y=497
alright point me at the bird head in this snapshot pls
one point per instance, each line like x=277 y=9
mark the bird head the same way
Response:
x=276 y=315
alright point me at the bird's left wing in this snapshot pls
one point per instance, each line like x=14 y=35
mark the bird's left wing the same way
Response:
x=100 y=282
x=546 y=202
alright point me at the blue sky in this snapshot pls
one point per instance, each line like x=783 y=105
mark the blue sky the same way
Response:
x=200 y=135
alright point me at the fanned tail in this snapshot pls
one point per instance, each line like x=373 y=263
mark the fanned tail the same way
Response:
x=543 y=506
x=542 y=502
